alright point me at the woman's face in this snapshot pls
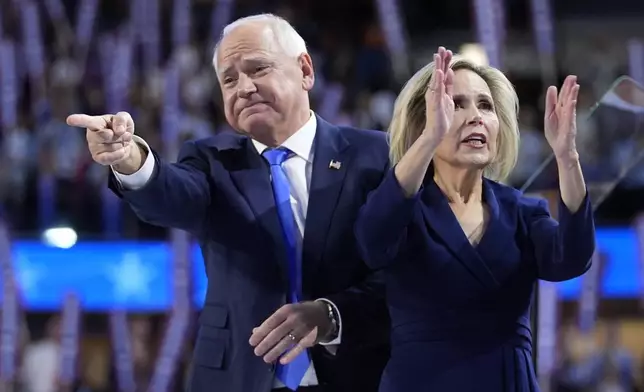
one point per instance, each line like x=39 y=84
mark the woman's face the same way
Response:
x=472 y=140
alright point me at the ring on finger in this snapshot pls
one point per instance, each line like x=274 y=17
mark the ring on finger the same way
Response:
x=281 y=347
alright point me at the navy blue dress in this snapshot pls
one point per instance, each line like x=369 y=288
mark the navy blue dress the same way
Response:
x=461 y=314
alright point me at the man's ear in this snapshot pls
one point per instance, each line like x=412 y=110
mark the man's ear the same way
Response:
x=308 y=74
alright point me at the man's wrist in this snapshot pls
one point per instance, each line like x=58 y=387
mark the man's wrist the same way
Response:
x=332 y=318
x=134 y=162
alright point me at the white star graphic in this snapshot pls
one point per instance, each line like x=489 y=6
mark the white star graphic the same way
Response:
x=131 y=278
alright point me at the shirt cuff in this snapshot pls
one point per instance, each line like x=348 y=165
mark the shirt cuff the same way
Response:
x=338 y=339
x=140 y=178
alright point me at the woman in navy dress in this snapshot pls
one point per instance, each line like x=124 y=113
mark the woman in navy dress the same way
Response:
x=459 y=250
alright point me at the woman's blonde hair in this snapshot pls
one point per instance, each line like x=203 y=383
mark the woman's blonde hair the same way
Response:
x=408 y=120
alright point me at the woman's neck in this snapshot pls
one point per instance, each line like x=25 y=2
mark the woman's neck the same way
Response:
x=460 y=186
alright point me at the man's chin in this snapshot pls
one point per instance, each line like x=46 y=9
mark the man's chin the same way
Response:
x=258 y=126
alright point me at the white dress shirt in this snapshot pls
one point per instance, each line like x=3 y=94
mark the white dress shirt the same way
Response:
x=298 y=168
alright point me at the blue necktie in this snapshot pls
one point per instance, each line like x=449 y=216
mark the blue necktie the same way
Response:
x=290 y=375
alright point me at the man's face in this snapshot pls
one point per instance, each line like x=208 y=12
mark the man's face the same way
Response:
x=261 y=86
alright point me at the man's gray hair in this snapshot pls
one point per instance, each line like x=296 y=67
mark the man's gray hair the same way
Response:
x=285 y=35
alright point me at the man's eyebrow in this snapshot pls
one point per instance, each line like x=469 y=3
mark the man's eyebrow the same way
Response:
x=255 y=60
x=228 y=69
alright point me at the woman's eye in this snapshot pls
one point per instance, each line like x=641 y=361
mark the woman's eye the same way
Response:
x=486 y=106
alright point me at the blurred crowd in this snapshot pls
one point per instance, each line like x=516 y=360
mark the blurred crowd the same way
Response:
x=47 y=177
x=43 y=156
x=40 y=358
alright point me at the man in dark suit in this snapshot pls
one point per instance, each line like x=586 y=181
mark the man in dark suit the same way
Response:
x=290 y=305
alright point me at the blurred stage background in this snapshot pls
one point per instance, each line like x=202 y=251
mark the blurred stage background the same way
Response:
x=75 y=260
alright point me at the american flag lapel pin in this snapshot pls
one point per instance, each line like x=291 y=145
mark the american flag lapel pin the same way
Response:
x=335 y=165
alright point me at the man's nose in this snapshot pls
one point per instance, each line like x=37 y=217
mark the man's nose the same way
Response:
x=245 y=87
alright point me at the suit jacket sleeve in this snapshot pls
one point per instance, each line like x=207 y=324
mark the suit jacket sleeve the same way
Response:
x=363 y=311
x=365 y=320
x=382 y=223
x=563 y=250
x=177 y=195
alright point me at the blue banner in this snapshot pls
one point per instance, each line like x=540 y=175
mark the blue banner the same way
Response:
x=137 y=276
x=132 y=276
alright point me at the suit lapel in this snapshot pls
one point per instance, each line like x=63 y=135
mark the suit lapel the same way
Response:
x=251 y=175
x=498 y=239
x=330 y=165
x=441 y=220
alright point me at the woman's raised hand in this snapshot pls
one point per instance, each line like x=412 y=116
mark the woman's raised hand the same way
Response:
x=439 y=102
